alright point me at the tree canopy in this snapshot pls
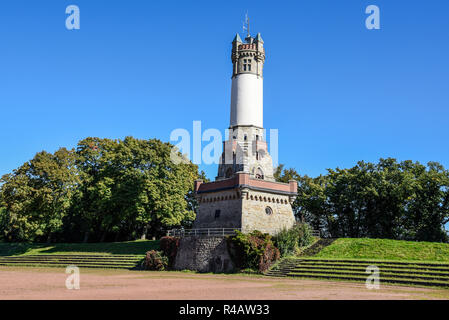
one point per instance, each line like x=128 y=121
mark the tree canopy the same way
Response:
x=104 y=188
x=389 y=199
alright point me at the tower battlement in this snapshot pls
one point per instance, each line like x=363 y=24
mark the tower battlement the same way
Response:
x=248 y=57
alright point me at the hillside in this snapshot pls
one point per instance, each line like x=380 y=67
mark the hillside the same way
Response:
x=385 y=249
x=398 y=262
x=106 y=248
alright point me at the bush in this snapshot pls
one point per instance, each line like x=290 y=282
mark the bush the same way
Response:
x=155 y=260
x=288 y=241
x=169 y=246
x=305 y=237
x=254 y=251
x=269 y=255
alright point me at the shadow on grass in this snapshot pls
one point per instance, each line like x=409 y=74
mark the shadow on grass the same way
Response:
x=13 y=249
x=122 y=248
x=316 y=247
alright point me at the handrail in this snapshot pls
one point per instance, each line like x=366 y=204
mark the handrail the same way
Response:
x=316 y=233
x=216 y=232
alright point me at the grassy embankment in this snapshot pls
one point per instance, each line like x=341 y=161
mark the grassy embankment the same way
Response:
x=138 y=247
x=400 y=262
x=385 y=249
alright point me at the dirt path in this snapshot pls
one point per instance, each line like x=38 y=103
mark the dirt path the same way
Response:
x=49 y=283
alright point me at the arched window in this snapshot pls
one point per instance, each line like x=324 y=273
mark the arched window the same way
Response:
x=259 y=173
x=229 y=173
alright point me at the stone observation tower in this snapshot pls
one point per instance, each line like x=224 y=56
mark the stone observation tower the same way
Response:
x=245 y=194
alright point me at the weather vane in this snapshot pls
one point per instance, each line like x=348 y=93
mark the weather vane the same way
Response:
x=247 y=24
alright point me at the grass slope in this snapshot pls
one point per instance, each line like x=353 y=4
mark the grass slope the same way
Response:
x=385 y=249
x=138 y=247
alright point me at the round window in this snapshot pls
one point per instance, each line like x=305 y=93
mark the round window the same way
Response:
x=268 y=211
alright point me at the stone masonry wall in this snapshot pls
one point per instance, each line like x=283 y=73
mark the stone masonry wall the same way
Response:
x=203 y=254
x=248 y=213
x=254 y=216
x=229 y=204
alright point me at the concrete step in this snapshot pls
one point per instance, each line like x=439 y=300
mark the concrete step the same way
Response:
x=414 y=273
x=46 y=265
x=71 y=259
x=379 y=264
x=381 y=274
x=381 y=269
x=390 y=262
x=89 y=261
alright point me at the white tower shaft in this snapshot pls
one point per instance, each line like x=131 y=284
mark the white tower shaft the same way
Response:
x=247 y=100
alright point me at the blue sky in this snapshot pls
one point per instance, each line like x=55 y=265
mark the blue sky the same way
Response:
x=337 y=92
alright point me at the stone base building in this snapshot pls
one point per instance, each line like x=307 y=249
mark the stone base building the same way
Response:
x=245 y=203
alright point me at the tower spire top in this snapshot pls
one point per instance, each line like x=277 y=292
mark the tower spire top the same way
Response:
x=246 y=27
x=247 y=24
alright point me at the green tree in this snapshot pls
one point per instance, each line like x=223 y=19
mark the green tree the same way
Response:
x=281 y=174
x=428 y=208
x=404 y=200
x=3 y=222
x=132 y=186
x=37 y=196
x=192 y=203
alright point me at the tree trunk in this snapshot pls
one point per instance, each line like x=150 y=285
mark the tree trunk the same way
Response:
x=144 y=233
x=49 y=238
x=103 y=236
x=86 y=236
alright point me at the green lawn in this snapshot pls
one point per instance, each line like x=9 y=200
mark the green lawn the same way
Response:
x=385 y=249
x=130 y=247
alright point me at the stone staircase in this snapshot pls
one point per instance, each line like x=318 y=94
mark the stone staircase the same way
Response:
x=86 y=261
x=407 y=273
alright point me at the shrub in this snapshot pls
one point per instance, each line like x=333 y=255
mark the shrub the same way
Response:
x=305 y=237
x=169 y=246
x=254 y=251
x=288 y=241
x=155 y=260
x=270 y=254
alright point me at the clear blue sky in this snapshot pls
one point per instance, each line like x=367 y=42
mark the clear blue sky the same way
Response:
x=337 y=92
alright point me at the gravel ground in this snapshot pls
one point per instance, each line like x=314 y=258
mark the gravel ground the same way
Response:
x=96 y=284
